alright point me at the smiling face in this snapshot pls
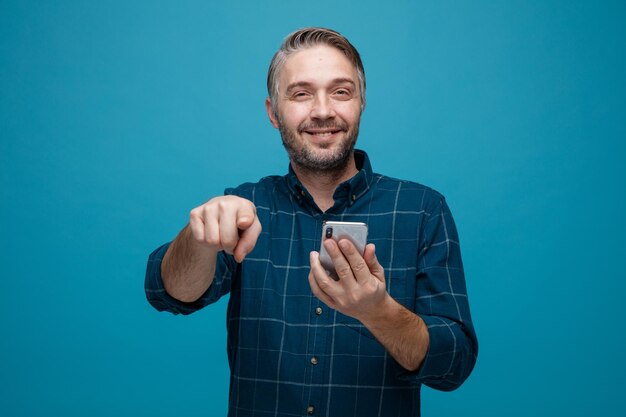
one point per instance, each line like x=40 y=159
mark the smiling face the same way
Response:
x=319 y=108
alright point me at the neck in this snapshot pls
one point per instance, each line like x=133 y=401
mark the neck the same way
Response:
x=322 y=184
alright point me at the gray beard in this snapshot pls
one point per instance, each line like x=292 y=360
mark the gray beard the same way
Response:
x=306 y=160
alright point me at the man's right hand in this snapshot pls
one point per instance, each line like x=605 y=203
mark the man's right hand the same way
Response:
x=227 y=223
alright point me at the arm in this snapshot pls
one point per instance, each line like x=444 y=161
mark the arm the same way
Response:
x=436 y=342
x=188 y=267
x=442 y=302
x=403 y=333
x=227 y=223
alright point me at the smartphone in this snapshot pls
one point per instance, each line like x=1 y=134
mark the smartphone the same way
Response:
x=356 y=232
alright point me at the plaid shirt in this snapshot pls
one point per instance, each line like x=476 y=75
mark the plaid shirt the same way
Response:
x=291 y=355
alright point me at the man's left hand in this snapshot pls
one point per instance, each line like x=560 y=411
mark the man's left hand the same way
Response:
x=360 y=291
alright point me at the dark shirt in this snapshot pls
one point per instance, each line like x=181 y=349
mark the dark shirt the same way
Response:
x=291 y=355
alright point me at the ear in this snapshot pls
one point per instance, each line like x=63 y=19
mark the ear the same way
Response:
x=270 y=112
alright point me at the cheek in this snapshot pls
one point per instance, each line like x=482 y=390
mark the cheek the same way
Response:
x=349 y=110
x=351 y=116
x=293 y=116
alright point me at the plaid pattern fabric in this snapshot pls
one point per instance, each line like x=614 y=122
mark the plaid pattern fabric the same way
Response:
x=291 y=355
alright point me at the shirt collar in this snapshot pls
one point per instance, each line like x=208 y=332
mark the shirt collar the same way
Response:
x=351 y=190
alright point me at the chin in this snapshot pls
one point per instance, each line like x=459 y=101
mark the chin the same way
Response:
x=329 y=159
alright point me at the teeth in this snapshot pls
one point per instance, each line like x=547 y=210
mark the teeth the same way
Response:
x=323 y=134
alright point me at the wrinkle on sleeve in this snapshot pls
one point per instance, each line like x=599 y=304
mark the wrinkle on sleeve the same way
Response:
x=442 y=302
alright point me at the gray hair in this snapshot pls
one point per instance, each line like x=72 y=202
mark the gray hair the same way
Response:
x=307 y=38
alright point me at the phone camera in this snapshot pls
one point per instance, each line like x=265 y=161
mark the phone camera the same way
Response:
x=329 y=232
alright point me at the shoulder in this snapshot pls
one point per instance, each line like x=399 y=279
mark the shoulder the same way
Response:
x=261 y=189
x=426 y=197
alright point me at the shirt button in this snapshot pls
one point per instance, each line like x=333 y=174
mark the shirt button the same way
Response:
x=314 y=360
x=310 y=410
x=318 y=311
x=353 y=197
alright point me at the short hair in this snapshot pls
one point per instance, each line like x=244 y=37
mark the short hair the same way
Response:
x=307 y=38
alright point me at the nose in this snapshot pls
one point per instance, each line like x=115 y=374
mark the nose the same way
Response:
x=322 y=108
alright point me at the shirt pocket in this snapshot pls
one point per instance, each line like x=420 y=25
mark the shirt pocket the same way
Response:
x=401 y=284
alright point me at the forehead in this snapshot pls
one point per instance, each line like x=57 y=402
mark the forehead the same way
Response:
x=317 y=65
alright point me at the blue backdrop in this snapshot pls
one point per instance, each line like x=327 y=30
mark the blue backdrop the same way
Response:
x=117 y=118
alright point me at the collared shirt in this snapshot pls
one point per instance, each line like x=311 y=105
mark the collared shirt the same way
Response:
x=291 y=355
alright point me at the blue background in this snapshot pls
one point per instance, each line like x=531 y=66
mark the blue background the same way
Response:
x=116 y=119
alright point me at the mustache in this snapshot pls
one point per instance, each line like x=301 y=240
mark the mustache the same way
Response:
x=330 y=124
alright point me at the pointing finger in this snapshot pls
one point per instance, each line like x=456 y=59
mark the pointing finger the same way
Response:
x=246 y=216
x=247 y=240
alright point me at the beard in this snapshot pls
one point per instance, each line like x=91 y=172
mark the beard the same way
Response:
x=306 y=157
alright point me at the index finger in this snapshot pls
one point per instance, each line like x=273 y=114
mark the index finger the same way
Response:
x=246 y=214
x=247 y=240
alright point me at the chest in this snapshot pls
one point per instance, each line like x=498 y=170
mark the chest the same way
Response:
x=279 y=266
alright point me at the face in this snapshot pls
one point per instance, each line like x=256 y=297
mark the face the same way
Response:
x=319 y=108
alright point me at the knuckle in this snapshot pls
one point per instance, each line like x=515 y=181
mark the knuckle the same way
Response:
x=343 y=271
x=222 y=206
x=359 y=266
x=249 y=204
x=195 y=213
x=206 y=210
x=212 y=241
x=323 y=283
x=353 y=299
x=348 y=249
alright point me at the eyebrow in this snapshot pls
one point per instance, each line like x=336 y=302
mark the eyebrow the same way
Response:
x=336 y=81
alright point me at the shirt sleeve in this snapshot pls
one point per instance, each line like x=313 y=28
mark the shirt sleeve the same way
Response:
x=442 y=303
x=162 y=301
x=225 y=269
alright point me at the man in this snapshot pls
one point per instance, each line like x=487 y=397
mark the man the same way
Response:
x=299 y=342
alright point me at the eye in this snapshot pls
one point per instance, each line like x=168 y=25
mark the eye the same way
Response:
x=300 y=95
x=342 y=94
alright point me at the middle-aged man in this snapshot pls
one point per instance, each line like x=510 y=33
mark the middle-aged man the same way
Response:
x=299 y=342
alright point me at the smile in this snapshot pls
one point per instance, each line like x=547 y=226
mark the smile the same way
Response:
x=322 y=133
